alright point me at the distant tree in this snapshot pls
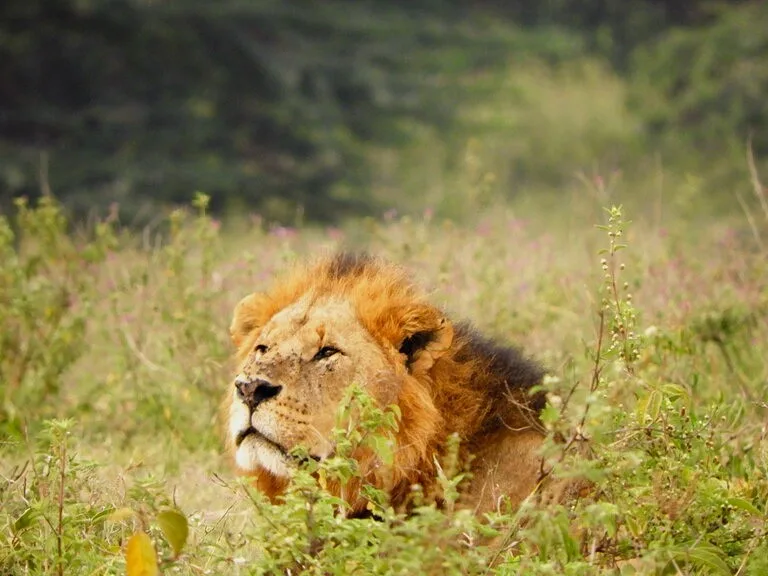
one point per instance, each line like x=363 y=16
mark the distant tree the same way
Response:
x=267 y=103
x=274 y=106
x=706 y=85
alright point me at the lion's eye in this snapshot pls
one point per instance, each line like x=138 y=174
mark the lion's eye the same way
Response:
x=326 y=352
x=261 y=348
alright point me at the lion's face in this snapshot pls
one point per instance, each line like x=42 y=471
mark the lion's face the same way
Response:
x=293 y=373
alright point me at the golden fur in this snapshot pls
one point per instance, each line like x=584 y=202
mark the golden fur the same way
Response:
x=353 y=318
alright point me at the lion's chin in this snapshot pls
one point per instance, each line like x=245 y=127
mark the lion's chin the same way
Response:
x=255 y=452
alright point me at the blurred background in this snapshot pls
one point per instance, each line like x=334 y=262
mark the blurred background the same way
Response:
x=299 y=112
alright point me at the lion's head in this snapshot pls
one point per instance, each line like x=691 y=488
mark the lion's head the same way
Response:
x=354 y=319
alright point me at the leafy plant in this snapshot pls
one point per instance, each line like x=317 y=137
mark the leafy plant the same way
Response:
x=46 y=293
x=657 y=430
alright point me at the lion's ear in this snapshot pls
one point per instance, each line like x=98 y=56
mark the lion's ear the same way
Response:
x=423 y=347
x=248 y=316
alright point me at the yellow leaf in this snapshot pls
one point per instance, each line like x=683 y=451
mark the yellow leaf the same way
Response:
x=140 y=557
x=175 y=529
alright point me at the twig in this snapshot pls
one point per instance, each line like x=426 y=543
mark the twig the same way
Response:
x=45 y=185
x=751 y=221
x=594 y=383
x=757 y=186
x=60 y=529
x=507 y=540
x=140 y=355
x=258 y=507
x=596 y=369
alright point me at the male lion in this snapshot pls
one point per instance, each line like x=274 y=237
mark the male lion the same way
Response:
x=357 y=319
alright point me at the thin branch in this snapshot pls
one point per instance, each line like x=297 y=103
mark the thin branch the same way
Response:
x=140 y=355
x=751 y=221
x=45 y=185
x=757 y=186
x=60 y=529
x=578 y=434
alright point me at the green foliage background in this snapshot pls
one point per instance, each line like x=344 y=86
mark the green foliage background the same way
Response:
x=308 y=110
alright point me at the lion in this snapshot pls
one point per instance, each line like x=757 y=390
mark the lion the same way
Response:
x=354 y=318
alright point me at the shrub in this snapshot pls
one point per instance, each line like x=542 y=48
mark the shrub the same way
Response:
x=662 y=423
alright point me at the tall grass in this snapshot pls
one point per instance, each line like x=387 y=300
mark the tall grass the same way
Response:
x=114 y=355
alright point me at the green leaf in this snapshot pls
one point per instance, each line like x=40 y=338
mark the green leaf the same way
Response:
x=102 y=515
x=383 y=447
x=702 y=555
x=675 y=392
x=140 y=557
x=549 y=414
x=745 y=505
x=649 y=406
x=175 y=529
x=25 y=519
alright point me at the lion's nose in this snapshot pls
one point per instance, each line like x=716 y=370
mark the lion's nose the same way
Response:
x=255 y=391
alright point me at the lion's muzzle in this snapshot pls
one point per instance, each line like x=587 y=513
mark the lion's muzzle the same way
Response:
x=254 y=391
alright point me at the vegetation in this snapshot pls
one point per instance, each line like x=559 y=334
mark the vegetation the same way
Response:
x=486 y=146
x=299 y=110
x=114 y=354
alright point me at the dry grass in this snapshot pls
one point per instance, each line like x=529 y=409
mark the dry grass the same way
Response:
x=144 y=388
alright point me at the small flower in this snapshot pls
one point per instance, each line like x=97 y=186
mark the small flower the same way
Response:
x=598 y=180
x=334 y=233
x=283 y=232
x=483 y=228
x=516 y=225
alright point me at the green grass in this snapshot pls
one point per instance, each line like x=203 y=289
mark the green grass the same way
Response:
x=114 y=355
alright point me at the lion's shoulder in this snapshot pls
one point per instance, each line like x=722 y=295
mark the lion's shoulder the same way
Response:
x=498 y=380
x=507 y=364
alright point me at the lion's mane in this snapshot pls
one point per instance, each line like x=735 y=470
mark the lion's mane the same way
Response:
x=453 y=380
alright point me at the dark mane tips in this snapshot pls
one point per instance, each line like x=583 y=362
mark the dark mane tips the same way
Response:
x=511 y=372
x=346 y=264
